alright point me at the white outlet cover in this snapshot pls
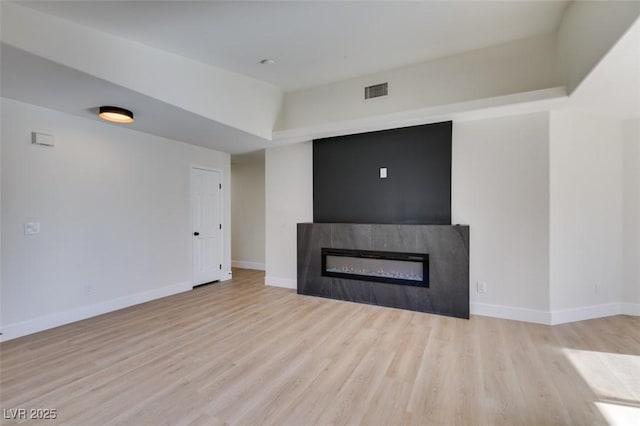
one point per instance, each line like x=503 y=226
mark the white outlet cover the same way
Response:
x=383 y=172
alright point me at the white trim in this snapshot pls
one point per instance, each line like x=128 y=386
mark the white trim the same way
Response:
x=248 y=265
x=630 y=309
x=585 y=312
x=555 y=317
x=12 y=331
x=281 y=282
x=510 y=312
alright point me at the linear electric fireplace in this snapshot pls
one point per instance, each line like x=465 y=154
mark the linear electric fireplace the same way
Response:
x=380 y=266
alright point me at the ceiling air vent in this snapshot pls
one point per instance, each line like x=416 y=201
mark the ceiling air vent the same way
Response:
x=376 y=91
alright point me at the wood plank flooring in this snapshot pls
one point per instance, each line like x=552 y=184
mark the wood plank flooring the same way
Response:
x=242 y=353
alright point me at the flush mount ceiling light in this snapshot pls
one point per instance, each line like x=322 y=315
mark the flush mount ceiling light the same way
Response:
x=116 y=114
x=267 y=61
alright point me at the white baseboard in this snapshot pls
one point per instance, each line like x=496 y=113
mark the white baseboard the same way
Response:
x=23 y=328
x=630 y=309
x=247 y=265
x=555 y=317
x=510 y=312
x=281 y=282
x=585 y=313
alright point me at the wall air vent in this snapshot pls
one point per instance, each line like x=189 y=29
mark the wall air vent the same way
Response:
x=376 y=90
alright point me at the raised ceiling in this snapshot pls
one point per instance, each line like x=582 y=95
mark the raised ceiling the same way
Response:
x=316 y=42
x=176 y=52
x=613 y=88
x=35 y=80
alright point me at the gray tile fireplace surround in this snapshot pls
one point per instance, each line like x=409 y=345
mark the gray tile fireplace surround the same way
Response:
x=447 y=246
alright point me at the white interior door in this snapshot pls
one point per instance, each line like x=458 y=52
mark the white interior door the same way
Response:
x=206 y=223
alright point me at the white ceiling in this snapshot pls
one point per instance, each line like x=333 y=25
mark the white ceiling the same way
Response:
x=35 y=80
x=308 y=39
x=313 y=42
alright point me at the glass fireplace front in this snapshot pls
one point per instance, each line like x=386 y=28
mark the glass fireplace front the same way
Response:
x=380 y=266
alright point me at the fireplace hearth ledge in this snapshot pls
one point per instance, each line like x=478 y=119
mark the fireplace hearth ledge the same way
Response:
x=446 y=245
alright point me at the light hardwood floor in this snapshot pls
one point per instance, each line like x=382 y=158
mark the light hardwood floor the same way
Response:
x=242 y=353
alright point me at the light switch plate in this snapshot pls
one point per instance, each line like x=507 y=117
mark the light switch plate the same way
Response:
x=383 y=172
x=31 y=228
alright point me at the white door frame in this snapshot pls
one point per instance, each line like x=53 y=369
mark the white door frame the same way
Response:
x=190 y=220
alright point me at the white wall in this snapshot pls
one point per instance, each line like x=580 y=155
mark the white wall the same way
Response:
x=114 y=215
x=247 y=214
x=520 y=66
x=1 y=230
x=586 y=214
x=289 y=200
x=500 y=187
x=631 y=248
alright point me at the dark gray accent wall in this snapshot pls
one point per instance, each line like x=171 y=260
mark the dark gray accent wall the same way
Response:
x=447 y=246
x=347 y=187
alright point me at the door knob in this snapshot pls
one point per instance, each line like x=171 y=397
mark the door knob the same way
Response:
x=196 y=233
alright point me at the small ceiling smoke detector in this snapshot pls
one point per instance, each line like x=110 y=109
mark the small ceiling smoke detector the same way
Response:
x=116 y=114
x=267 y=61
